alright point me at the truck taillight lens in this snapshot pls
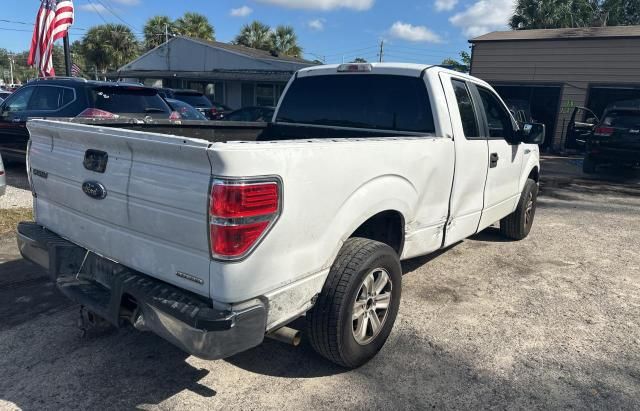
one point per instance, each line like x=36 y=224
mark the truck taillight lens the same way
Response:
x=241 y=212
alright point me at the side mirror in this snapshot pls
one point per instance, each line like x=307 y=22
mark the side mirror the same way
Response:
x=531 y=133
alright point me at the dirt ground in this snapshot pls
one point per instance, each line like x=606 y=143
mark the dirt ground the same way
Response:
x=548 y=322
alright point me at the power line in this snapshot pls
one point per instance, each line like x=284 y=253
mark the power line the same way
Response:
x=110 y=10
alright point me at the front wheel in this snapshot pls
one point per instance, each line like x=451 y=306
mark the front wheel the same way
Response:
x=517 y=225
x=358 y=305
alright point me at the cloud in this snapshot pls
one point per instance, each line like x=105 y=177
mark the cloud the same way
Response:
x=316 y=25
x=445 y=5
x=93 y=8
x=322 y=4
x=241 y=11
x=409 y=32
x=128 y=2
x=484 y=16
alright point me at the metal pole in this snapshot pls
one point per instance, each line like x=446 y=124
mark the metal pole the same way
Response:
x=11 y=61
x=381 y=50
x=67 y=56
x=166 y=33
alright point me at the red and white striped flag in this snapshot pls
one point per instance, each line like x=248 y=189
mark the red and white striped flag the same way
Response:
x=52 y=23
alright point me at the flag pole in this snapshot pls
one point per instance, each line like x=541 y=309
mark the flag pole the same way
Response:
x=67 y=55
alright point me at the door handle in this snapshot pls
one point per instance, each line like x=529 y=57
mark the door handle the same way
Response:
x=493 y=160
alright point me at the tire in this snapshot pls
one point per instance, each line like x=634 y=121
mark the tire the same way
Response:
x=589 y=165
x=517 y=225
x=330 y=322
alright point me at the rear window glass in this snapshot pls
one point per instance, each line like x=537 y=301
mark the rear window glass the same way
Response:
x=370 y=101
x=196 y=100
x=622 y=119
x=128 y=100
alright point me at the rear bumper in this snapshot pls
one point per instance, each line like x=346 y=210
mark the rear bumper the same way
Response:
x=614 y=155
x=116 y=293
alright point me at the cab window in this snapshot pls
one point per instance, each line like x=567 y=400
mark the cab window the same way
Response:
x=498 y=118
x=467 y=111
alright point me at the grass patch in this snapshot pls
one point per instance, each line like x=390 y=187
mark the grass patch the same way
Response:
x=9 y=218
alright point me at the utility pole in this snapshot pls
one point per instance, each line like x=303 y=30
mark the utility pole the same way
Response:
x=11 y=63
x=166 y=33
x=381 y=50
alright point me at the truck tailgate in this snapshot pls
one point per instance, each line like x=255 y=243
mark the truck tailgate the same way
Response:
x=153 y=217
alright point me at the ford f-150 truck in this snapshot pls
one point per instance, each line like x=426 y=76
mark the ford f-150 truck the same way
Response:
x=214 y=244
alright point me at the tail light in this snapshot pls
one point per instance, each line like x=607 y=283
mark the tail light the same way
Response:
x=241 y=213
x=603 y=131
x=175 y=116
x=97 y=113
x=213 y=111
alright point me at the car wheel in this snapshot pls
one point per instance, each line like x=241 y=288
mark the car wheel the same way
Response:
x=517 y=225
x=589 y=165
x=358 y=305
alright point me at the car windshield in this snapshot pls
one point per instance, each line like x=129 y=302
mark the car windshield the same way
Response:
x=196 y=100
x=369 y=101
x=622 y=119
x=123 y=99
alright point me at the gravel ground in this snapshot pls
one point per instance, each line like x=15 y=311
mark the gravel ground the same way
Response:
x=18 y=194
x=548 y=322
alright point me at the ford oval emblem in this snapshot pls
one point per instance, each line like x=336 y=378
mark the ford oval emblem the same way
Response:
x=94 y=190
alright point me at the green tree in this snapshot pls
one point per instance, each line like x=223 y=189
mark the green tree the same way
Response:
x=358 y=60
x=155 y=30
x=621 y=12
x=195 y=25
x=108 y=47
x=547 y=14
x=256 y=35
x=285 y=41
x=462 y=66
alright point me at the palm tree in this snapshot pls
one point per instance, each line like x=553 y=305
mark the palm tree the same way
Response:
x=256 y=35
x=285 y=41
x=109 y=46
x=547 y=14
x=195 y=25
x=155 y=30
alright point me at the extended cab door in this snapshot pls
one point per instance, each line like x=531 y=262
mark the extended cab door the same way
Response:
x=467 y=195
x=502 y=188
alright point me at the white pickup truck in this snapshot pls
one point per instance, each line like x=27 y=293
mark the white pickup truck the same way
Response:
x=214 y=244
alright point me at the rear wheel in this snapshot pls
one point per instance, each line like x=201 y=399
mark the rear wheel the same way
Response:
x=589 y=165
x=358 y=305
x=517 y=225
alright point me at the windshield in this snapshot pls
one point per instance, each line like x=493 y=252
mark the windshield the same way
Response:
x=196 y=100
x=622 y=119
x=128 y=100
x=369 y=101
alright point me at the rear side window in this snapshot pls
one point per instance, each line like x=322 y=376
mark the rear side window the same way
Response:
x=465 y=106
x=128 y=100
x=369 y=101
x=498 y=119
x=50 y=98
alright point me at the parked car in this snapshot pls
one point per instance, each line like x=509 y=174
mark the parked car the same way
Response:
x=213 y=244
x=185 y=110
x=615 y=139
x=3 y=178
x=66 y=97
x=250 y=114
x=213 y=111
x=4 y=94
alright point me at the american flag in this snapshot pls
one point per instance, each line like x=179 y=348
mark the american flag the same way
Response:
x=52 y=23
x=75 y=70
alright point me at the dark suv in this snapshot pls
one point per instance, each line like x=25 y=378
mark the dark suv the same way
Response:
x=615 y=139
x=211 y=110
x=72 y=97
